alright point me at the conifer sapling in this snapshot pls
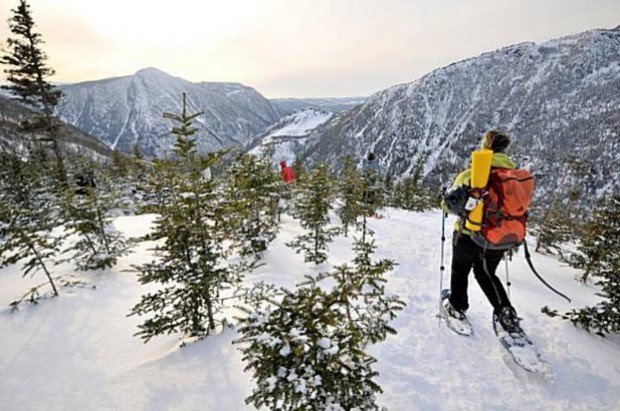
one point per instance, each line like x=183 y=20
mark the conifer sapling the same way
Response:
x=191 y=254
x=314 y=198
x=307 y=348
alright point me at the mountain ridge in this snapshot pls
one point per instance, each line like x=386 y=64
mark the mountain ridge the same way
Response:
x=550 y=95
x=127 y=110
x=123 y=111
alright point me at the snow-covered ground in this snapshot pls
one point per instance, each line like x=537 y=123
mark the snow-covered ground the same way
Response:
x=77 y=352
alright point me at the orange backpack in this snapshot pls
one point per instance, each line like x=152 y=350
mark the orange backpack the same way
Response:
x=508 y=195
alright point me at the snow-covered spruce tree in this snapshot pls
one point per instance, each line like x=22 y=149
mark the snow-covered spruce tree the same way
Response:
x=27 y=75
x=307 y=348
x=191 y=256
x=123 y=177
x=137 y=162
x=351 y=189
x=554 y=232
x=558 y=225
x=252 y=186
x=603 y=318
x=314 y=198
x=88 y=213
x=6 y=160
x=29 y=214
x=299 y=170
x=590 y=236
x=389 y=188
x=120 y=164
x=410 y=193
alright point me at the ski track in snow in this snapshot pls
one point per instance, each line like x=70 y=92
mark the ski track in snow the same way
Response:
x=78 y=352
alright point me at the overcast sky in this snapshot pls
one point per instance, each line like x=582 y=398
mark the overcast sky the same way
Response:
x=295 y=48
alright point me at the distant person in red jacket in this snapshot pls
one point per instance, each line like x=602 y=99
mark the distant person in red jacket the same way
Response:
x=287 y=173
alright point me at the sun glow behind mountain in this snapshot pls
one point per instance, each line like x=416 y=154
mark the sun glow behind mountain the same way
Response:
x=294 y=47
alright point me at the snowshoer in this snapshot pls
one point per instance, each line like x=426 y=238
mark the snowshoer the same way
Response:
x=370 y=163
x=372 y=175
x=85 y=183
x=467 y=254
x=287 y=173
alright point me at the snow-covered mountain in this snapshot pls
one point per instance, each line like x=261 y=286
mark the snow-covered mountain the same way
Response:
x=125 y=111
x=287 y=106
x=559 y=100
x=74 y=140
x=289 y=136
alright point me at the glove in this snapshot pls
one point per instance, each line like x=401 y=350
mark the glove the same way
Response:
x=459 y=201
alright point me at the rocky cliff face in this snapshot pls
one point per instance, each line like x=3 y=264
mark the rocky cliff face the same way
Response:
x=126 y=111
x=559 y=100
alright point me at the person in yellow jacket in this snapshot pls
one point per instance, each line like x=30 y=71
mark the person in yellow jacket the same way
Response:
x=466 y=254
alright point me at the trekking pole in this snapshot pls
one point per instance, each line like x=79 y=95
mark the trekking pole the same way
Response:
x=441 y=266
x=507 y=256
x=444 y=214
x=443 y=240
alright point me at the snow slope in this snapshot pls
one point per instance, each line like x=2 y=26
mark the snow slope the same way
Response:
x=288 y=136
x=77 y=352
x=286 y=106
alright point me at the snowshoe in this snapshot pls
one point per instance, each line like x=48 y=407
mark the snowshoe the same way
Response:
x=455 y=320
x=516 y=342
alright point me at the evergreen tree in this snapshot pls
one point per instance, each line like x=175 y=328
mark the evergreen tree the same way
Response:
x=191 y=257
x=139 y=165
x=314 y=198
x=298 y=169
x=590 y=237
x=6 y=161
x=389 y=189
x=137 y=153
x=124 y=178
x=351 y=189
x=555 y=230
x=558 y=227
x=89 y=217
x=29 y=215
x=27 y=75
x=603 y=262
x=119 y=164
x=253 y=185
x=410 y=193
x=307 y=348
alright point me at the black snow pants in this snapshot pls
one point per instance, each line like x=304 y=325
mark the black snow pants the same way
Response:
x=465 y=254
